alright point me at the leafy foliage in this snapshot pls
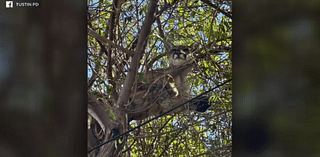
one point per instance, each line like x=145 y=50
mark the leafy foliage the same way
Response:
x=195 y=23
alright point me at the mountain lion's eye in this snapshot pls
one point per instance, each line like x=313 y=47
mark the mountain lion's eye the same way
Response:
x=175 y=56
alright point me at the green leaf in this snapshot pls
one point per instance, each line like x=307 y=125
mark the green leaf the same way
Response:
x=171 y=22
x=193 y=14
x=112 y=116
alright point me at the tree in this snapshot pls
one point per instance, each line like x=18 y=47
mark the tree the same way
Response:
x=124 y=40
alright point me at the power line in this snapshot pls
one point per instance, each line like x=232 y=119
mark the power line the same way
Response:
x=162 y=114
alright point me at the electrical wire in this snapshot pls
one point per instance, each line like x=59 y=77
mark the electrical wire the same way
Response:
x=160 y=115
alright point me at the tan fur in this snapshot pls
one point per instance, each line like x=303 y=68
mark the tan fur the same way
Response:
x=155 y=95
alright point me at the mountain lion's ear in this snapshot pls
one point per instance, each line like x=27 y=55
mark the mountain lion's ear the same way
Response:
x=195 y=46
x=168 y=45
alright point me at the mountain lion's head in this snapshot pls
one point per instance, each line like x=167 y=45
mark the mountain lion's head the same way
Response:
x=178 y=55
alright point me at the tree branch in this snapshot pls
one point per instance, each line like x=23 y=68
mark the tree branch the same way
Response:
x=100 y=112
x=106 y=41
x=125 y=92
x=114 y=15
x=217 y=8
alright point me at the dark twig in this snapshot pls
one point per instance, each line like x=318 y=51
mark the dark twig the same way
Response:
x=217 y=8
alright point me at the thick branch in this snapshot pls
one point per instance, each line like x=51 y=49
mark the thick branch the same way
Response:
x=114 y=14
x=125 y=92
x=100 y=112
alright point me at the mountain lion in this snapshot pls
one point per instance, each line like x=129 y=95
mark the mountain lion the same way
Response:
x=163 y=89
